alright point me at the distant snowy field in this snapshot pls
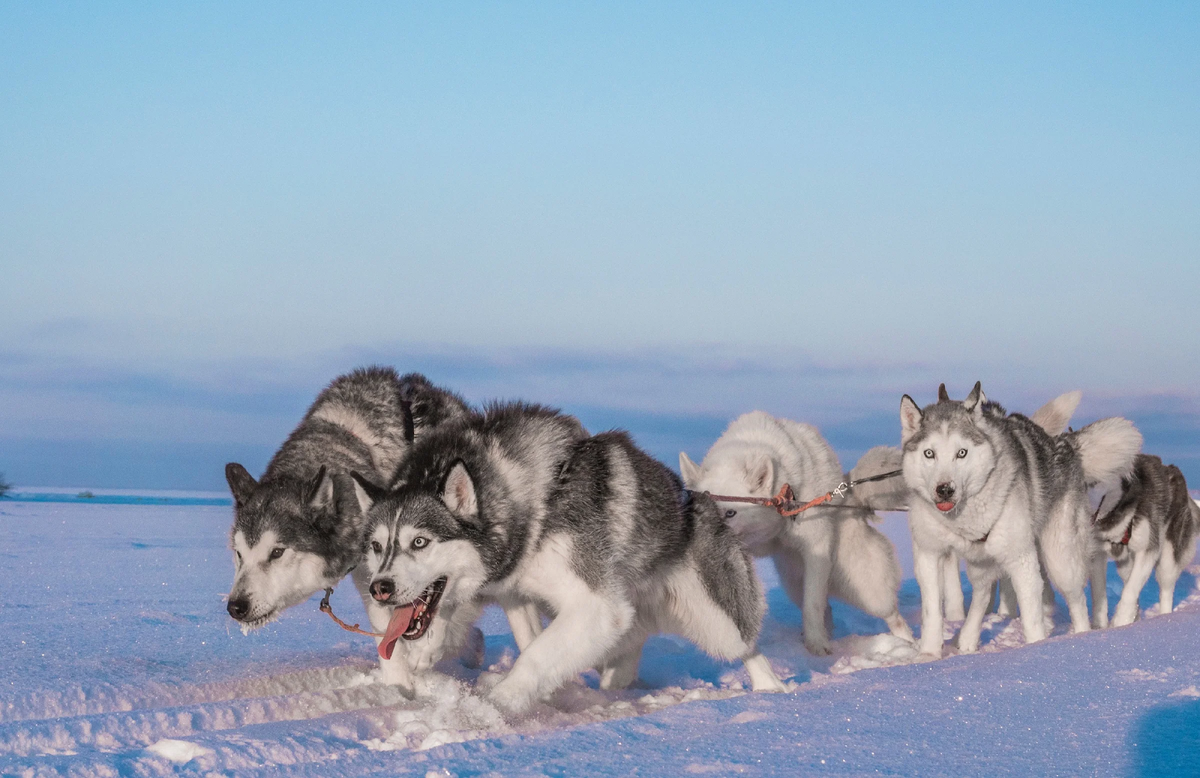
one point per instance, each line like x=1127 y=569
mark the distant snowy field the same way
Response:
x=119 y=660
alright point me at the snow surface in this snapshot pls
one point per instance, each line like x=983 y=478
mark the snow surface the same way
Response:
x=120 y=660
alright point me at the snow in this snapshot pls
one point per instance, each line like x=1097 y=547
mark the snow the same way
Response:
x=120 y=660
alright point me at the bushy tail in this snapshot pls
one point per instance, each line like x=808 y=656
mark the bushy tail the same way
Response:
x=1108 y=448
x=1055 y=415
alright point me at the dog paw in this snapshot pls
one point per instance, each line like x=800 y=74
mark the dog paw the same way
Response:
x=508 y=700
x=818 y=647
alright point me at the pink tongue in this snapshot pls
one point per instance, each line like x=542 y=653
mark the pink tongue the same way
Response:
x=945 y=506
x=395 y=628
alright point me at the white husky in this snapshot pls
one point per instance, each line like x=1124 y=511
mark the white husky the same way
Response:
x=825 y=551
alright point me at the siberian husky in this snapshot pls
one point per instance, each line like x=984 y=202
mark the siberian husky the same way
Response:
x=825 y=551
x=1053 y=417
x=298 y=530
x=1148 y=522
x=996 y=489
x=520 y=508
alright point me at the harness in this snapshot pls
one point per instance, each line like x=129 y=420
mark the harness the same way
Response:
x=786 y=504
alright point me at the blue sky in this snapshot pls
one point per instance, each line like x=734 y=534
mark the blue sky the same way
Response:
x=655 y=216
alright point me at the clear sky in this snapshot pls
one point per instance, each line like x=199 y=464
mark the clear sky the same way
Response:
x=643 y=212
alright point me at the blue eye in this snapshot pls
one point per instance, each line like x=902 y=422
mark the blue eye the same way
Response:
x=962 y=452
x=420 y=542
x=929 y=453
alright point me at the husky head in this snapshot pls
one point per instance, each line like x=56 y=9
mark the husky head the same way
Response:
x=947 y=456
x=740 y=470
x=290 y=540
x=422 y=549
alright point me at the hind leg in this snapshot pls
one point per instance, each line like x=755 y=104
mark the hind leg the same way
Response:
x=1167 y=575
x=690 y=612
x=952 y=593
x=1066 y=556
x=1139 y=574
x=982 y=580
x=1026 y=579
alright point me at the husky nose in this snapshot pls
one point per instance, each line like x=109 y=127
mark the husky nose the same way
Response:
x=944 y=491
x=238 y=608
x=382 y=589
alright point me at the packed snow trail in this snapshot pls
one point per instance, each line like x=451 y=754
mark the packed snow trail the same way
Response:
x=122 y=661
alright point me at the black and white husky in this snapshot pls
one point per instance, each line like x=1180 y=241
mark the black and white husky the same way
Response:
x=519 y=507
x=298 y=529
x=995 y=489
x=1148 y=522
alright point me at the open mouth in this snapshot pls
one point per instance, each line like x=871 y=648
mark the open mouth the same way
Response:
x=412 y=620
x=945 y=506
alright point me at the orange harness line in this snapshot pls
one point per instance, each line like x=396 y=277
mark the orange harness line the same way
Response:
x=327 y=608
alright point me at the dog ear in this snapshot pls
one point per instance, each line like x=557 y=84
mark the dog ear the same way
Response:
x=458 y=493
x=688 y=469
x=760 y=474
x=943 y=395
x=241 y=483
x=319 y=491
x=975 y=399
x=366 y=492
x=910 y=418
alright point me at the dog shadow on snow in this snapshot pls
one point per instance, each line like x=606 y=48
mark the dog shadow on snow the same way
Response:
x=1166 y=741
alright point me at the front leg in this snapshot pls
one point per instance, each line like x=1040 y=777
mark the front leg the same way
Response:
x=580 y=636
x=1099 y=575
x=620 y=670
x=525 y=620
x=983 y=579
x=929 y=571
x=952 y=592
x=1127 y=606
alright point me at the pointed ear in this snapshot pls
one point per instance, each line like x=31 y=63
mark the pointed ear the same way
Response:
x=241 y=483
x=910 y=418
x=688 y=469
x=458 y=493
x=760 y=474
x=943 y=395
x=975 y=399
x=319 y=491
x=365 y=492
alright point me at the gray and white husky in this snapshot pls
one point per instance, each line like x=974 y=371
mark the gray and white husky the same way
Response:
x=1053 y=417
x=995 y=489
x=823 y=552
x=1148 y=522
x=520 y=508
x=298 y=529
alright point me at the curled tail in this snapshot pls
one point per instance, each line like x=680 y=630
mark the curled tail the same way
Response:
x=1055 y=415
x=1107 y=448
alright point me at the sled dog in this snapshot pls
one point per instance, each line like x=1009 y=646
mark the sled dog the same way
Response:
x=298 y=529
x=996 y=489
x=1148 y=523
x=1053 y=417
x=822 y=552
x=520 y=507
